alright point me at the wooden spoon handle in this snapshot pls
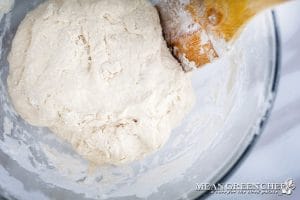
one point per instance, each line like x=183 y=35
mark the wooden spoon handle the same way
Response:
x=260 y=5
x=227 y=17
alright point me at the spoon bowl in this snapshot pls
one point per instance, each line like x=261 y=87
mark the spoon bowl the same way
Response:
x=200 y=31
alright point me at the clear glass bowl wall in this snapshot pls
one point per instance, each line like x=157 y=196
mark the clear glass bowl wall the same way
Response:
x=35 y=164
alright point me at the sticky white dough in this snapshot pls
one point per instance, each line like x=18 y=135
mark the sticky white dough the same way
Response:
x=98 y=73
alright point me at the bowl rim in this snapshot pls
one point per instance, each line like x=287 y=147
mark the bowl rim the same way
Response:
x=233 y=166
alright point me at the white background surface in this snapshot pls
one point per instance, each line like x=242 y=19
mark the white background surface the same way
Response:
x=276 y=156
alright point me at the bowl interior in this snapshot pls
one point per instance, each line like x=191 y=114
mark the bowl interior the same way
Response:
x=233 y=95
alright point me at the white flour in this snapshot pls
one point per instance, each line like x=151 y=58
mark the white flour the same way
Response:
x=5 y=6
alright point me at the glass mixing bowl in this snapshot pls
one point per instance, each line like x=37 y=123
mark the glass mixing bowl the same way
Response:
x=35 y=164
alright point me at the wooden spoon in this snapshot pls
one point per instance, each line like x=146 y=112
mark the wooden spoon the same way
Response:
x=197 y=31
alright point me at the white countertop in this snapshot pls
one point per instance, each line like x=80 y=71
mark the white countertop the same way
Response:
x=275 y=157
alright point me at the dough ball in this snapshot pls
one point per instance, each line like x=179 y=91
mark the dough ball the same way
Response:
x=98 y=73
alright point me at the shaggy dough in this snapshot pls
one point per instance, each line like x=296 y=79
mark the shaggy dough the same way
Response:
x=99 y=74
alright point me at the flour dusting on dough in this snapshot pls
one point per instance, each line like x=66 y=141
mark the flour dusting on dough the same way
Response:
x=99 y=74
